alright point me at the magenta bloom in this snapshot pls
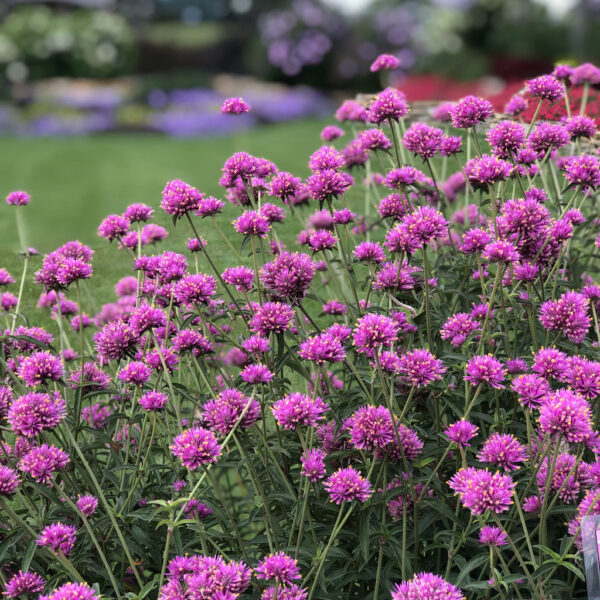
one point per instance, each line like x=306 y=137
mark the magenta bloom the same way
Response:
x=585 y=73
x=153 y=401
x=73 y=591
x=115 y=341
x=583 y=377
x=137 y=213
x=271 y=317
x=582 y=170
x=530 y=389
x=113 y=227
x=506 y=138
x=240 y=277
x=370 y=427
x=374 y=332
x=346 y=485
x=87 y=504
x=297 y=409
x=18 y=198
x=255 y=374
x=252 y=222
x=420 y=368
x=480 y=491
x=566 y=413
x=321 y=349
x=23 y=583
x=222 y=413
x=195 y=289
x=516 y=105
x=321 y=239
x=389 y=104
x=41 y=462
x=545 y=87
x=568 y=314
x=461 y=432
x=331 y=132
x=289 y=275
x=581 y=126
x=485 y=369
x=425 y=225
x=550 y=362
x=401 y=177
x=369 y=252
x=503 y=450
x=501 y=251
x=58 y=537
x=458 y=328
x=328 y=183
x=374 y=139
x=384 y=62
x=492 y=536
x=469 y=111
x=39 y=368
x=351 y=110
x=484 y=170
x=180 y=198
x=9 y=481
x=313 y=464
x=548 y=136
x=209 y=206
x=196 y=446
x=30 y=414
x=423 y=140
x=135 y=373
x=279 y=566
x=426 y=586
x=235 y=106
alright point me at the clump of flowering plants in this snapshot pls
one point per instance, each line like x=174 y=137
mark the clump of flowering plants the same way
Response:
x=404 y=406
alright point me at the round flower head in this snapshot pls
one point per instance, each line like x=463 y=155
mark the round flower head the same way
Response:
x=271 y=317
x=331 y=132
x=469 y=111
x=73 y=591
x=585 y=73
x=313 y=464
x=328 y=183
x=492 y=536
x=484 y=170
x=18 y=198
x=137 y=213
x=458 y=328
x=461 y=432
x=346 y=485
x=279 y=566
x=321 y=239
x=196 y=446
x=252 y=222
x=374 y=139
x=235 y=106
x=370 y=427
x=547 y=136
x=351 y=110
x=87 y=504
x=580 y=126
x=369 y=252
x=209 y=206
x=426 y=586
x=289 y=275
x=423 y=140
x=501 y=251
x=567 y=413
x=41 y=461
x=451 y=145
x=326 y=158
x=39 y=368
x=24 y=583
x=284 y=186
x=115 y=341
x=389 y=104
x=568 y=314
x=582 y=171
x=153 y=401
x=195 y=289
x=425 y=225
x=506 y=138
x=179 y=198
x=384 y=62
x=420 y=368
x=58 y=537
x=545 y=87
x=9 y=481
x=516 y=105
x=298 y=409
x=222 y=413
x=503 y=450
x=113 y=227
x=402 y=176
x=485 y=369
x=374 y=332
x=550 y=362
x=32 y=413
x=480 y=491
x=530 y=389
x=321 y=349
x=255 y=374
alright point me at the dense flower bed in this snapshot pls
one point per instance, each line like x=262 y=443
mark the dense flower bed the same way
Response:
x=406 y=405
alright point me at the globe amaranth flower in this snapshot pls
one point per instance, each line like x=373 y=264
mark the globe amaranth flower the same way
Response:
x=58 y=537
x=583 y=376
x=580 y=126
x=209 y=206
x=390 y=104
x=279 y=567
x=113 y=227
x=256 y=344
x=313 y=464
x=530 y=389
x=138 y=213
x=515 y=106
x=588 y=507
x=503 y=450
x=93 y=379
x=73 y=591
x=240 y=277
x=273 y=317
x=474 y=240
x=426 y=586
x=328 y=183
x=545 y=87
x=374 y=332
x=18 y=198
x=374 y=139
x=256 y=373
x=321 y=239
x=384 y=62
x=322 y=348
x=369 y=252
x=425 y=225
x=401 y=176
x=500 y=251
x=153 y=401
x=355 y=154
x=252 y=222
x=32 y=413
x=566 y=413
x=394 y=206
x=480 y=491
x=194 y=289
x=9 y=481
x=235 y=106
x=569 y=477
x=568 y=314
x=115 y=341
x=223 y=412
x=506 y=138
x=195 y=447
x=469 y=111
x=419 y=367
x=346 y=485
x=331 y=132
x=423 y=140
x=24 y=583
x=289 y=275
x=41 y=461
x=39 y=368
x=492 y=536
x=87 y=504
x=298 y=409
x=582 y=171
x=485 y=369
x=461 y=432
x=350 y=110
x=486 y=170
x=550 y=363
x=180 y=198
x=585 y=73
x=547 y=136
x=458 y=328
x=73 y=269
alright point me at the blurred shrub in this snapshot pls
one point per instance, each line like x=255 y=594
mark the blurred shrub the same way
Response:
x=37 y=42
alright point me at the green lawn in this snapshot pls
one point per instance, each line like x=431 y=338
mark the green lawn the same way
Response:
x=74 y=183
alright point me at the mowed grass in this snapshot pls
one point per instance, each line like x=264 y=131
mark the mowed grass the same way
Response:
x=74 y=183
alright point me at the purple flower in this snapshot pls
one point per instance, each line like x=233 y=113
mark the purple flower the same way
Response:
x=326 y=158
x=321 y=239
x=209 y=206
x=346 y=485
x=458 y=328
x=39 y=368
x=374 y=139
x=425 y=225
x=485 y=369
x=343 y=216
x=87 y=504
x=370 y=427
x=480 y=491
x=313 y=464
x=389 y=104
x=331 y=132
x=369 y=252
x=469 y=111
x=256 y=345
x=24 y=583
x=351 y=110
x=474 y=240
x=393 y=205
x=583 y=377
x=136 y=213
x=195 y=509
x=289 y=275
x=180 y=198
x=235 y=106
x=451 y=145
x=582 y=171
x=503 y=450
x=279 y=566
x=550 y=362
x=530 y=390
x=41 y=462
x=384 y=62
x=73 y=591
x=256 y=373
x=547 y=136
x=194 y=289
x=419 y=367
x=115 y=341
x=567 y=413
x=153 y=401
x=423 y=140
x=484 y=170
x=240 y=277
x=18 y=198
x=516 y=105
x=402 y=176
x=568 y=314
x=196 y=446
x=32 y=413
x=284 y=186
x=585 y=73
x=271 y=316
x=355 y=154
x=506 y=138
x=501 y=251
x=135 y=373
x=5 y=277
x=9 y=481
x=461 y=432
x=492 y=536
x=328 y=184
x=298 y=409
x=252 y=222
x=545 y=87
x=58 y=537
x=321 y=349
x=580 y=126
x=113 y=227
x=426 y=586
x=374 y=332
x=223 y=412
